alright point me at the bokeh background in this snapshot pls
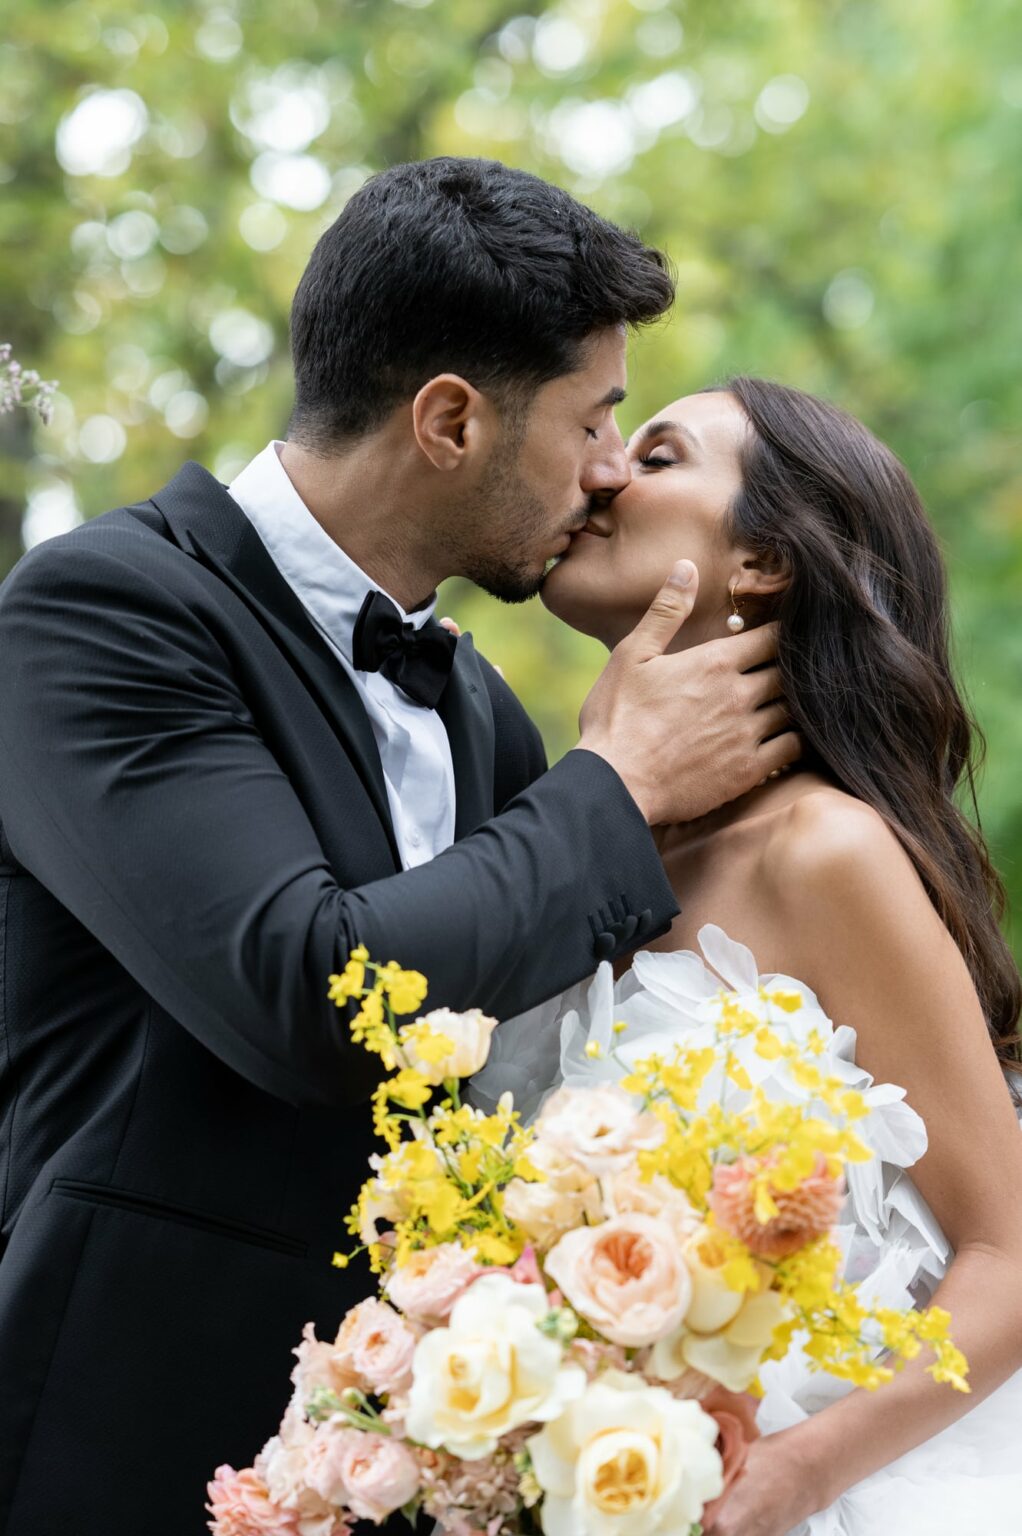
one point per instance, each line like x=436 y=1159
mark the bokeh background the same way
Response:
x=837 y=182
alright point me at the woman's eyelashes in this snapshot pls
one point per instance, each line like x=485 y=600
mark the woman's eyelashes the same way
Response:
x=655 y=461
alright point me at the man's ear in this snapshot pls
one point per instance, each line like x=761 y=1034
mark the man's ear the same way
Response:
x=450 y=418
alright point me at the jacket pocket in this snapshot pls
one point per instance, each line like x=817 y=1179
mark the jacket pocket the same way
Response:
x=145 y=1205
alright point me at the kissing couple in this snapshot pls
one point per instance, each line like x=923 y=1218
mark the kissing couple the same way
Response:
x=235 y=743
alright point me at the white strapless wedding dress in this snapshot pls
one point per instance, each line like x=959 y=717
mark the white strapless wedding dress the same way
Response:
x=965 y=1481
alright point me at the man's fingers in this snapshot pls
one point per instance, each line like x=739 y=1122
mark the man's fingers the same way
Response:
x=771 y=720
x=761 y=687
x=754 y=647
x=667 y=612
x=779 y=752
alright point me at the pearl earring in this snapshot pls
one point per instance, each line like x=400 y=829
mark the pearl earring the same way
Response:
x=735 y=621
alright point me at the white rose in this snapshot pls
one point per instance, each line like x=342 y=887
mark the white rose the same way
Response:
x=470 y=1036
x=723 y=1334
x=490 y=1370
x=601 y=1128
x=626 y=1459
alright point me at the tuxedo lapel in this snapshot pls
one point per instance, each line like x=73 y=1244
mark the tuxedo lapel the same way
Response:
x=208 y=524
x=468 y=717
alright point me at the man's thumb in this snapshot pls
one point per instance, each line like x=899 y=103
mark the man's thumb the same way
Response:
x=667 y=612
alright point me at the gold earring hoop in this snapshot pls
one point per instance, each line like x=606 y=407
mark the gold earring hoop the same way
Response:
x=735 y=621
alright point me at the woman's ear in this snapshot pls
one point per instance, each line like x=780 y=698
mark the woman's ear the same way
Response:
x=762 y=575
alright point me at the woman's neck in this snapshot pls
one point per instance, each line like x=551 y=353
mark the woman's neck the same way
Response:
x=764 y=800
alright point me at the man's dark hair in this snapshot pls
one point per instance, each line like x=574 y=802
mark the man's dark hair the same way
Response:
x=461 y=266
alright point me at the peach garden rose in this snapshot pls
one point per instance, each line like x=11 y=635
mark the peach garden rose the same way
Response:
x=626 y=1277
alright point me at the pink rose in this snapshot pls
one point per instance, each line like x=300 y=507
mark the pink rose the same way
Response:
x=317 y=1367
x=241 y=1506
x=803 y=1213
x=601 y=1129
x=735 y=1413
x=375 y=1345
x=371 y=1475
x=428 y=1284
x=626 y=1277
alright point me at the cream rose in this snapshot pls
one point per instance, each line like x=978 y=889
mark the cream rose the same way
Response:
x=469 y=1034
x=568 y=1196
x=601 y=1128
x=626 y=1459
x=626 y=1277
x=629 y=1191
x=490 y=1370
x=724 y=1332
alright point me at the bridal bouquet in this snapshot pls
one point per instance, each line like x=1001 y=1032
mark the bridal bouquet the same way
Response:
x=572 y=1315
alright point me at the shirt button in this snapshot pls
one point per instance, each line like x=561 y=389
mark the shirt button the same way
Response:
x=415 y=839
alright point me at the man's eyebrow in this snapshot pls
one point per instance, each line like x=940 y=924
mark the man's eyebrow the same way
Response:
x=660 y=428
x=613 y=396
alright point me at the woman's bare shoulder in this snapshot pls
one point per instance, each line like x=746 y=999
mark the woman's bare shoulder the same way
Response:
x=825 y=833
x=829 y=855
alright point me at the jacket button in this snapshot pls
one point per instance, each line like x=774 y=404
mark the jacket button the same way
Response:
x=627 y=928
x=605 y=945
x=645 y=918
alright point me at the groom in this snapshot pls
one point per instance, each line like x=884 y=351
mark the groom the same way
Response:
x=234 y=743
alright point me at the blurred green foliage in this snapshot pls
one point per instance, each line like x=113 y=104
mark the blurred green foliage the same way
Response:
x=836 y=180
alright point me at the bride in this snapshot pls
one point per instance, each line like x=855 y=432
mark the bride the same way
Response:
x=858 y=874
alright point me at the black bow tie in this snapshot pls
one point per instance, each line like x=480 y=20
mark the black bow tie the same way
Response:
x=418 y=661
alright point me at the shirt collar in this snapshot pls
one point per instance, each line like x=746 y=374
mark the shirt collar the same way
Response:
x=326 y=580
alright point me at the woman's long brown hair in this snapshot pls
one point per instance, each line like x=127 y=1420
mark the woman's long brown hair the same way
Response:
x=865 y=660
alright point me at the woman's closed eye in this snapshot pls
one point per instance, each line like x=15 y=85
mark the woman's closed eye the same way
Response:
x=656 y=461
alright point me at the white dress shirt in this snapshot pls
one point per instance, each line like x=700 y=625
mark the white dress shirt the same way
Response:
x=414 y=749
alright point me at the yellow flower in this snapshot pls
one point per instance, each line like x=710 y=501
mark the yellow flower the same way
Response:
x=429 y=1045
x=495 y=1248
x=405 y=989
x=351 y=981
x=409 y=1089
x=788 y=1002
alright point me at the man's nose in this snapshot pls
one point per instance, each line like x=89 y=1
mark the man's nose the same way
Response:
x=607 y=469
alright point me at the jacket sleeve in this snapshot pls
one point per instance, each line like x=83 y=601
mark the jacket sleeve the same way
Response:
x=135 y=786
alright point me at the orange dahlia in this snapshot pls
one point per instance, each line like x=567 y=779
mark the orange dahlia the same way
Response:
x=803 y=1213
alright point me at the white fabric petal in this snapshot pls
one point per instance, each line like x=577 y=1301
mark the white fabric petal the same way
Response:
x=734 y=963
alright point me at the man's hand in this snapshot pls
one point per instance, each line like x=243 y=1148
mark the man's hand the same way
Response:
x=691 y=731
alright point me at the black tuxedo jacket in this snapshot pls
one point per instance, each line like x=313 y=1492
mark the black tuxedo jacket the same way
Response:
x=194 y=832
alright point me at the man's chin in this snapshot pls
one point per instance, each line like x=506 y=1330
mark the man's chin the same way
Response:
x=509 y=585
